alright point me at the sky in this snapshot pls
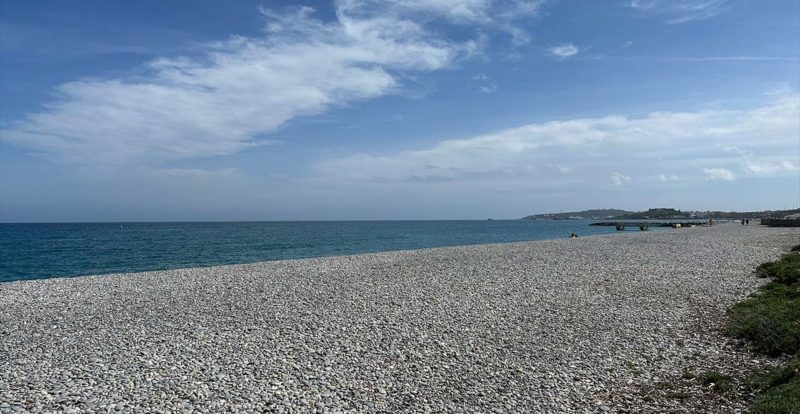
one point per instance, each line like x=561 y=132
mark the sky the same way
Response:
x=406 y=109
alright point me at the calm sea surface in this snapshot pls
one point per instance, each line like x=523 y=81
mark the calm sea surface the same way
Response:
x=36 y=251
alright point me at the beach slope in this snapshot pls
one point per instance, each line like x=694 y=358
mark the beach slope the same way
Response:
x=572 y=325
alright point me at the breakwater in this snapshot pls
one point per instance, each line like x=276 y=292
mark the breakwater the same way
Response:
x=781 y=222
x=650 y=223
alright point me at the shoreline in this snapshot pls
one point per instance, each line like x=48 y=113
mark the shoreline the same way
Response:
x=105 y=249
x=522 y=242
x=560 y=325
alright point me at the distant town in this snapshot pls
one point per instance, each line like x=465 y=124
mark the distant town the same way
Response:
x=662 y=214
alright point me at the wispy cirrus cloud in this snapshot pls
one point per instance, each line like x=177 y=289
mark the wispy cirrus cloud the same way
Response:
x=232 y=93
x=484 y=84
x=680 y=11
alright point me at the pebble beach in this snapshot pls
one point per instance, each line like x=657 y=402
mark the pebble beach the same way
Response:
x=584 y=325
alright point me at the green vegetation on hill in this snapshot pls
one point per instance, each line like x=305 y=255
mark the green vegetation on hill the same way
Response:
x=657 y=214
x=596 y=214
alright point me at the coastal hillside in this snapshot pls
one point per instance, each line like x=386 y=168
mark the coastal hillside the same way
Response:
x=596 y=214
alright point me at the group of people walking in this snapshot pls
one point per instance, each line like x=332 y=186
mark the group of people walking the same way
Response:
x=745 y=222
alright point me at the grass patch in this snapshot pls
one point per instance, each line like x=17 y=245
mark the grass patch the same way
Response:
x=776 y=377
x=786 y=270
x=721 y=383
x=783 y=399
x=770 y=320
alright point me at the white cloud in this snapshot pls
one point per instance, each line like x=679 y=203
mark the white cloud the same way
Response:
x=564 y=51
x=487 y=88
x=770 y=168
x=723 y=174
x=667 y=177
x=680 y=11
x=589 y=149
x=620 y=179
x=236 y=91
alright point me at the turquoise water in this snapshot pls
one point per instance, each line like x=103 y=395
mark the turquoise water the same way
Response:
x=36 y=251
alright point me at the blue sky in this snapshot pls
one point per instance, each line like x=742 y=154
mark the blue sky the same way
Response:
x=411 y=109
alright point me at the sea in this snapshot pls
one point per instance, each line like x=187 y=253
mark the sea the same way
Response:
x=47 y=250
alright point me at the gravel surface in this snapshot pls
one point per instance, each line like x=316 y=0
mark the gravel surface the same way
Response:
x=594 y=324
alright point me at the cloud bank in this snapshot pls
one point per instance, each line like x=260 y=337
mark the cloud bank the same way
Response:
x=577 y=152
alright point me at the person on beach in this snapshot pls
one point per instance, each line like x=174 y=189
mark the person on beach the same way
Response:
x=742 y=222
x=747 y=221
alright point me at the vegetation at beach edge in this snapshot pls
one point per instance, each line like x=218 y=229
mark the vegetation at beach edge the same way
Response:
x=778 y=390
x=770 y=321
